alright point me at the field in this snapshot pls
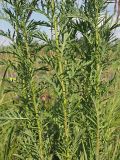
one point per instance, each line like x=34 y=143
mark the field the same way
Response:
x=60 y=90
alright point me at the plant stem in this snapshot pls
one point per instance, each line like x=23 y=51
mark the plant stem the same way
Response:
x=39 y=125
x=98 y=134
x=97 y=79
x=38 y=121
x=61 y=69
x=26 y=42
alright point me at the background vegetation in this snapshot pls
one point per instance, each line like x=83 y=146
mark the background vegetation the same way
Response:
x=59 y=92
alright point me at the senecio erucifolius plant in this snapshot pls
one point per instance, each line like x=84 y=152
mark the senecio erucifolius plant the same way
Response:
x=63 y=101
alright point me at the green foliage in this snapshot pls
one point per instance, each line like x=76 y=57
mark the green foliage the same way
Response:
x=60 y=104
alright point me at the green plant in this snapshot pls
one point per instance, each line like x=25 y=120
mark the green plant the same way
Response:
x=65 y=109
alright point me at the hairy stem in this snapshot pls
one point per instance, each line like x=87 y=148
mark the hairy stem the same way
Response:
x=39 y=126
x=35 y=105
x=61 y=69
x=97 y=77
